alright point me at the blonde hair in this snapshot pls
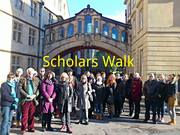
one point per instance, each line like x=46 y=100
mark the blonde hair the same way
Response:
x=83 y=76
x=65 y=75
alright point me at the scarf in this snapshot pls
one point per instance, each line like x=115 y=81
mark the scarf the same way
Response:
x=13 y=86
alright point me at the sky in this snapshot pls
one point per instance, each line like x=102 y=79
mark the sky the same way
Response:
x=114 y=9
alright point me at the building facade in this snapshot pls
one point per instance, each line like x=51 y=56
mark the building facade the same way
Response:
x=22 y=31
x=155 y=35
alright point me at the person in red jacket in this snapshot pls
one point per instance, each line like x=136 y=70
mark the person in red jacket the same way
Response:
x=136 y=94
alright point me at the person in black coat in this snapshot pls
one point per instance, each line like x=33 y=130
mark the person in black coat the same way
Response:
x=128 y=92
x=119 y=97
x=99 y=97
x=150 y=92
x=161 y=98
x=9 y=102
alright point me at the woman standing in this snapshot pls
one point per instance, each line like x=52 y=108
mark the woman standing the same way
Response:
x=65 y=94
x=171 y=98
x=84 y=93
x=110 y=88
x=48 y=94
x=9 y=102
x=99 y=88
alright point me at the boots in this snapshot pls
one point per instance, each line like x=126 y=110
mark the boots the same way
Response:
x=69 y=130
x=172 y=122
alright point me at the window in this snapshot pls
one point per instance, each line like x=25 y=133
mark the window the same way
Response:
x=96 y=26
x=15 y=63
x=133 y=3
x=30 y=62
x=50 y=18
x=33 y=8
x=141 y=19
x=17 y=32
x=70 y=30
x=19 y=4
x=61 y=33
x=105 y=29
x=124 y=37
x=134 y=27
x=79 y=26
x=141 y=62
x=128 y=9
x=88 y=24
x=115 y=33
x=52 y=36
x=32 y=34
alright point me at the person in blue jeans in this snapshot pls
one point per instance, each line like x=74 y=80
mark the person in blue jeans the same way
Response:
x=9 y=101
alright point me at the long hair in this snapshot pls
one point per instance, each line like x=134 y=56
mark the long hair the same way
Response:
x=111 y=80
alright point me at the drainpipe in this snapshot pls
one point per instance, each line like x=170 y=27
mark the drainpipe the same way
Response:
x=41 y=4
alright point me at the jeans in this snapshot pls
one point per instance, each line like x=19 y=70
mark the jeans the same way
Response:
x=66 y=120
x=84 y=115
x=98 y=108
x=7 y=114
x=172 y=113
x=160 y=108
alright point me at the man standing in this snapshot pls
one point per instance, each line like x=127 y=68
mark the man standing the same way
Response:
x=151 y=94
x=28 y=87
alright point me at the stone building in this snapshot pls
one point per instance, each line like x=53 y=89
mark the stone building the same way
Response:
x=22 y=31
x=155 y=35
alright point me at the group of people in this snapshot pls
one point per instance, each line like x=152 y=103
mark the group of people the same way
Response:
x=43 y=95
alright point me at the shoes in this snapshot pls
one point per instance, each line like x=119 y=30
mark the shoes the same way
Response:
x=43 y=129
x=79 y=122
x=86 y=123
x=50 y=129
x=31 y=130
x=69 y=130
x=172 y=122
x=135 y=117
x=154 y=122
x=145 y=120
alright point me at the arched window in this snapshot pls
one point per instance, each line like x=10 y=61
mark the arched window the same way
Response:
x=70 y=30
x=96 y=26
x=114 y=33
x=88 y=24
x=124 y=37
x=61 y=33
x=105 y=29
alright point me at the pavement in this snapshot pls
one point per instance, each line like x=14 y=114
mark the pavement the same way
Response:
x=115 y=126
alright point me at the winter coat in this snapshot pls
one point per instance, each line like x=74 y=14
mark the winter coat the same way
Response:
x=170 y=90
x=84 y=92
x=136 y=90
x=99 y=95
x=128 y=88
x=23 y=82
x=48 y=91
x=65 y=94
x=110 y=93
x=119 y=93
x=6 y=98
x=161 y=91
x=151 y=89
